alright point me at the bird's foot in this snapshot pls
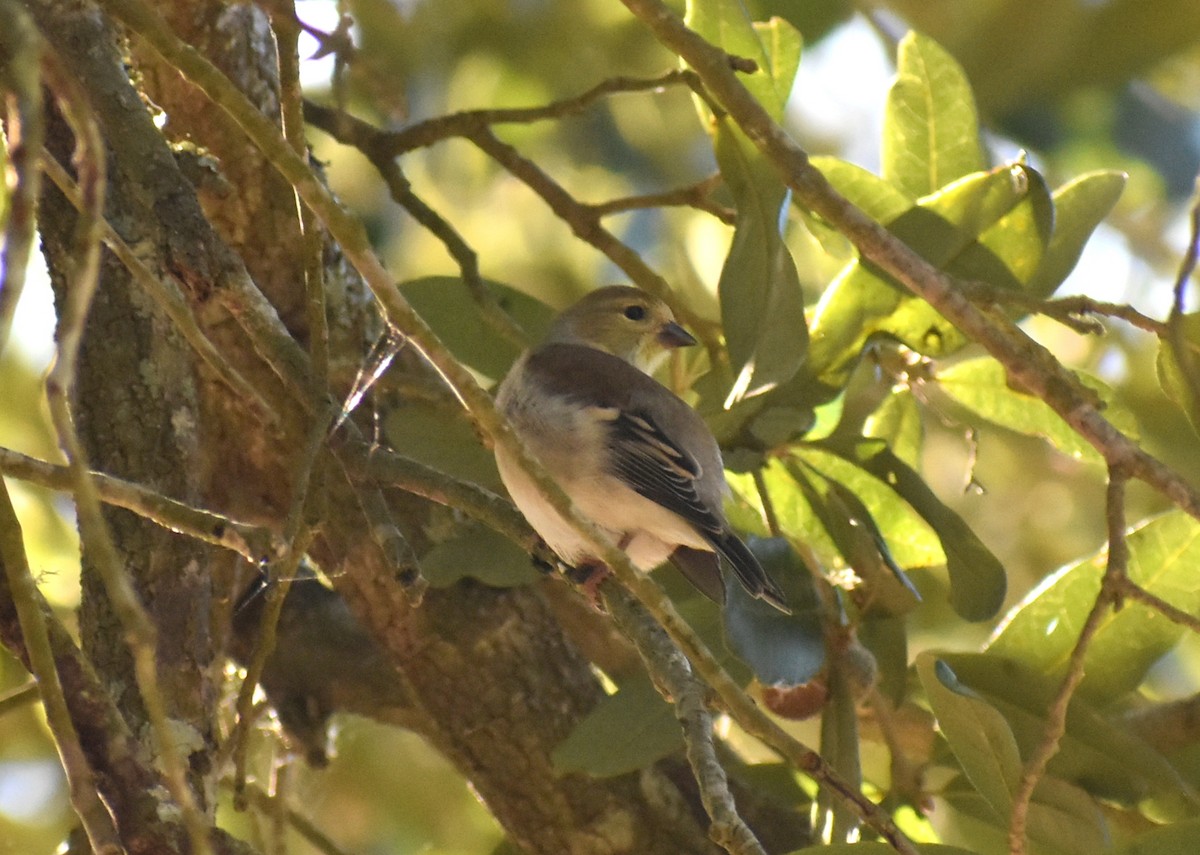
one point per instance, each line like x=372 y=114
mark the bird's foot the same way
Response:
x=588 y=576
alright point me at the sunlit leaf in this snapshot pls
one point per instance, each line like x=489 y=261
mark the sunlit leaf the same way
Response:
x=1079 y=206
x=931 y=129
x=1062 y=820
x=626 y=731
x=943 y=228
x=1179 y=384
x=977 y=578
x=875 y=197
x=911 y=541
x=885 y=587
x=773 y=46
x=897 y=421
x=762 y=306
x=981 y=385
x=1042 y=630
x=1099 y=756
x=977 y=734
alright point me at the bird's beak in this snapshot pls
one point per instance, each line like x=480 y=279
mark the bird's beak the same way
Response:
x=673 y=335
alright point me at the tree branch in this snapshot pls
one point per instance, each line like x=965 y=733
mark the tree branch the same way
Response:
x=1030 y=366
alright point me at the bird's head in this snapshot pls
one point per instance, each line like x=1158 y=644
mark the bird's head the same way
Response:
x=626 y=322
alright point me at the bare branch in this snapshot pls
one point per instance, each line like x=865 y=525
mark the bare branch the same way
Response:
x=1056 y=715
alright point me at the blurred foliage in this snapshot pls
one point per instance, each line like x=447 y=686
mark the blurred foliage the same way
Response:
x=926 y=476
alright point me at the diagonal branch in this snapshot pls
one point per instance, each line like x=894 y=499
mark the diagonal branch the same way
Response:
x=1030 y=366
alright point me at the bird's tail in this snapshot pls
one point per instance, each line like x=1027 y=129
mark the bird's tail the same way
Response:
x=749 y=571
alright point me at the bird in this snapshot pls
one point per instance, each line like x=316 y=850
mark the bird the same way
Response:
x=631 y=455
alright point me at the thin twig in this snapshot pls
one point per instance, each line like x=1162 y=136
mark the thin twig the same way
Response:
x=424 y=134
x=456 y=245
x=311 y=834
x=1126 y=587
x=698 y=196
x=584 y=220
x=255 y=543
x=84 y=794
x=673 y=676
x=82 y=279
x=1056 y=714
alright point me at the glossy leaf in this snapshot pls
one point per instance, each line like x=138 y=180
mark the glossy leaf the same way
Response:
x=885 y=589
x=762 y=305
x=875 y=197
x=773 y=46
x=1042 y=630
x=977 y=578
x=458 y=319
x=943 y=228
x=1095 y=754
x=1178 y=383
x=912 y=542
x=981 y=385
x=977 y=734
x=1079 y=206
x=931 y=129
x=627 y=731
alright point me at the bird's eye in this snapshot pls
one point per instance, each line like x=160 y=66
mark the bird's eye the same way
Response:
x=635 y=312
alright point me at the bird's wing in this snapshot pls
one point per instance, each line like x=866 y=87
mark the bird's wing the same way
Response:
x=646 y=459
x=645 y=456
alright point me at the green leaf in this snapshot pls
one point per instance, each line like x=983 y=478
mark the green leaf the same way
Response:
x=762 y=305
x=780 y=649
x=977 y=734
x=943 y=228
x=1009 y=252
x=1177 y=381
x=977 y=578
x=441 y=437
x=1180 y=838
x=897 y=421
x=1093 y=753
x=1041 y=631
x=774 y=46
x=458 y=319
x=480 y=553
x=1079 y=206
x=911 y=541
x=1062 y=820
x=981 y=385
x=931 y=129
x=886 y=589
x=876 y=198
x=626 y=731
